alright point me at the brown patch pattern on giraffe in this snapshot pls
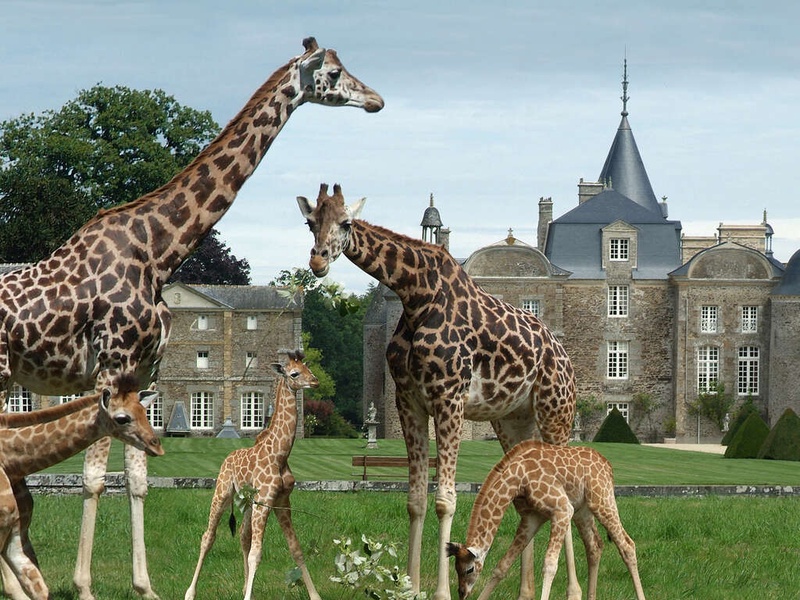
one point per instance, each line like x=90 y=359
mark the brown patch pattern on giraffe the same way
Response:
x=457 y=353
x=545 y=483
x=264 y=469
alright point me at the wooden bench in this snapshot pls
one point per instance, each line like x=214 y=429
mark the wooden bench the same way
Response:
x=366 y=462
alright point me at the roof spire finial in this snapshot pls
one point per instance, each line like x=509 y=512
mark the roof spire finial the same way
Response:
x=625 y=96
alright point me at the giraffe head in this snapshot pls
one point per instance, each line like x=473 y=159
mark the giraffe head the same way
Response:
x=469 y=563
x=123 y=410
x=324 y=80
x=330 y=222
x=296 y=372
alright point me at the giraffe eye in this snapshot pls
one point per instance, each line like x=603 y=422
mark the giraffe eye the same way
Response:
x=334 y=75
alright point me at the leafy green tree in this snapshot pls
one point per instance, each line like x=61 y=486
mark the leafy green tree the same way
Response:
x=212 y=263
x=106 y=147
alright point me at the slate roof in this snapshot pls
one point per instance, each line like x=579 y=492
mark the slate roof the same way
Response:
x=247 y=297
x=624 y=170
x=790 y=282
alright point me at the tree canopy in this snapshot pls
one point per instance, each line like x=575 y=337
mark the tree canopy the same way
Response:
x=106 y=147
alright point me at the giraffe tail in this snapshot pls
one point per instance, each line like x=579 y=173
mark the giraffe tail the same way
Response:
x=232 y=522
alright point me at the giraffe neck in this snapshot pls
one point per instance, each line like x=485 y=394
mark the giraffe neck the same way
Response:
x=415 y=270
x=63 y=431
x=502 y=485
x=171 y=221
x=283 y=425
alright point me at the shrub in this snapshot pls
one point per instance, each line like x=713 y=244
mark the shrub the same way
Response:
x=615 y=429
x=749 y=437
x=744 y=411
x=783 y=441
x=713 y=404
x=327 y=421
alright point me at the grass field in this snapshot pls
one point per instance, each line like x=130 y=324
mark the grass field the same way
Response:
x=325 y=459
x=705 y=548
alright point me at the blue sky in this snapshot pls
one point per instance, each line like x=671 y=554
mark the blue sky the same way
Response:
x=487 y=107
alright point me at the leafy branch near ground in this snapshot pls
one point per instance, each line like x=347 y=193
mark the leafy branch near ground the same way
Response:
x=713 y=404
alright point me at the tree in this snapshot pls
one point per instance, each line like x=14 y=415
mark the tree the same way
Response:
x=212 y=263
x=106 y=147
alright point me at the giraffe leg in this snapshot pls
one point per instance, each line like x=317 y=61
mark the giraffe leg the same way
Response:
x=24 y=500
x=284 y=514
x=21 y=568
x=94 y=470
x=245 y=540
x=584 y=519
x=527 y=582
x=559 y=528
x=448 y=439
x=219 y=503
x=258 y=520
x=415 y=433
x=136 y=480
x=523 y=542
x=609 y=517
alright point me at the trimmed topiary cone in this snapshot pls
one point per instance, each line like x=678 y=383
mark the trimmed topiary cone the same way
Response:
x=783 y=441
x=749 y=437
x=741 y=417
x=615 y=429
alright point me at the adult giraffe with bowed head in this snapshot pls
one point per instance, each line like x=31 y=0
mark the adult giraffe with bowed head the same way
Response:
x=457 y=353
x=93 y=310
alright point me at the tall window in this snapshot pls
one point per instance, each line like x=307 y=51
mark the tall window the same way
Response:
x=155 y=412
x=618 y=249
x=202 y=359
x=617 y=360
x=618 y=301
x=202 y=409
x=532 y=305
x=252 y=322
x=250 y=360
x=708 y=319
x=707 y=368
x=202 y=322
x=749 y=319
x=622 y=407
x=747 y=380
x=19 y=400
x=252 y=410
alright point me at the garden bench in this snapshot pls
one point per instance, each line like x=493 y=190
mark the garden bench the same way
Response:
x=366 y=462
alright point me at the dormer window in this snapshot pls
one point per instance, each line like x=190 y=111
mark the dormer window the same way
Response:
x=618 y=249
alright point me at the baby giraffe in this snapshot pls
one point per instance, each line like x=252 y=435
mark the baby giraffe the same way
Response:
x=264 y=468
x=30 y=442
x=545 y=482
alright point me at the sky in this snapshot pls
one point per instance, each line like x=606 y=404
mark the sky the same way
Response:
x=488 y=106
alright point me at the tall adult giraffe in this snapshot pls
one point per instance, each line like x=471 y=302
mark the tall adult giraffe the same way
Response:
x=93 y=309
x=457 y=353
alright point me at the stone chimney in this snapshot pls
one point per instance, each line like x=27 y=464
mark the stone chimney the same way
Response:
x=545 y=217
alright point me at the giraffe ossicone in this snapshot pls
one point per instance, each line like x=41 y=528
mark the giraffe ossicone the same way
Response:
x=93 y=309
x=262 y=468
x=457 y=353
x=545 y=483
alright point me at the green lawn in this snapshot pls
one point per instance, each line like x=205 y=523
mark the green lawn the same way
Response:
x=330 y=459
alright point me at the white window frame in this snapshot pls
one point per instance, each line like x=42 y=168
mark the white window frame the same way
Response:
x=618 y=249
x=201 y=412
x=624 y=409
x=252 y=322
x=155 y=412
x=709 y=319
x=749 y=319
x=707 y=369
x=251 y=410
x=618 y=301
x=202 y=359
x=747 y=370
x=617 y=360
x=20 y=400
x=533 y=306
x=250 y=359
x=68 y=398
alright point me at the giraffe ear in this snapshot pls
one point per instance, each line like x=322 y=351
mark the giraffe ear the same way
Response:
x=355 y=208
x=278 y=368
x=305 y=206
x=105 y=398
x=312 y=63
x=147 y=397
